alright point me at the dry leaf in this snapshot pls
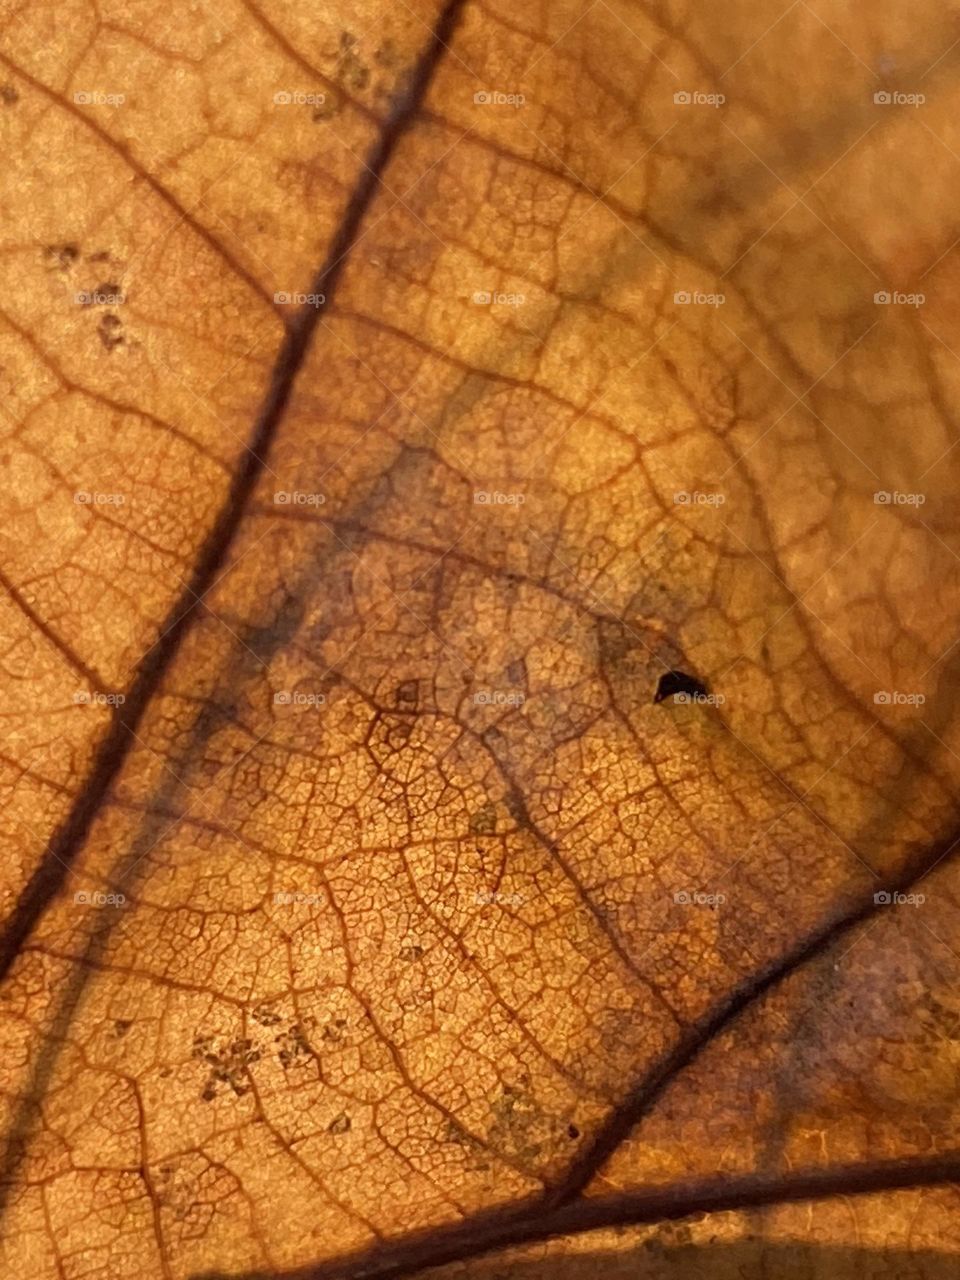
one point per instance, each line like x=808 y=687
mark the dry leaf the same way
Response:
x=480 y=591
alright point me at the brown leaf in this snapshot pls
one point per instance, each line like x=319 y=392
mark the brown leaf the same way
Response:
x=480 y=588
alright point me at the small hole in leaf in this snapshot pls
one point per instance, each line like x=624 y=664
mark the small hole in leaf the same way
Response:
x=674 y=682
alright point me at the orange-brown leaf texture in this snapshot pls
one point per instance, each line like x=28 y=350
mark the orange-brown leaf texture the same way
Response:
x=480 y=585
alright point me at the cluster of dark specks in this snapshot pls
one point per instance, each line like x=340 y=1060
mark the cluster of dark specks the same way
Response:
x=228 y=1064
x=351 y=70
x=357 y=77
x=333 y=1032
x=265 y=1017
x=293 y=1045
x=63 y=258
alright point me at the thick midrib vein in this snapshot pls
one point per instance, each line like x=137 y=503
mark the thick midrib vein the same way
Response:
x=458 y=1241
x=66 y=842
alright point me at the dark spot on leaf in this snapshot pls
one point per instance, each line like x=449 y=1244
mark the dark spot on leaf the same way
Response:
x=411 y=953
x=573 y=1131
x=674 y=682
x=61 y=256
x=397 y=734
x=621 y=649
x=8 y=95
x=517 y=672
x=340 y=1124
x=484 y=821
x=109 y=331
x=333 y=1031
x=408 y=694
x=386 y=54
x=121 y=1026
x=109 y=288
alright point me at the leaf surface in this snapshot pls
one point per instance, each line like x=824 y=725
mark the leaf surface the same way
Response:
x=469 y=705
